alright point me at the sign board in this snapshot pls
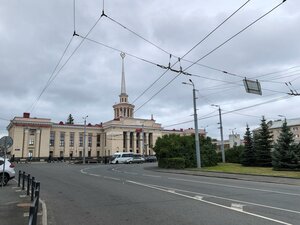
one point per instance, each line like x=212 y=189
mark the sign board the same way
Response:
x=252 y=86
x=6 y=142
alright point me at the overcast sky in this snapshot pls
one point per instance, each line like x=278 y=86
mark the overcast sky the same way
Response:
x=34 y=35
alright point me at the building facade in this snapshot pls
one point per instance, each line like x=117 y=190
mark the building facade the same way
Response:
x=43 y=138
x=293 y=124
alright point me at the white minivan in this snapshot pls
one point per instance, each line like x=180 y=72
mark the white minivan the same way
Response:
x=122 y=157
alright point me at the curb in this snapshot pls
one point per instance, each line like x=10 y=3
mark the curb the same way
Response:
x=234 y=176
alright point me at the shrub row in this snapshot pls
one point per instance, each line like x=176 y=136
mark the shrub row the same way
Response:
x=172 y=163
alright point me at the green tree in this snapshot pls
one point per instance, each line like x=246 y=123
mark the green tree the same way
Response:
x=248 y=157
x=286 y=152
x=233 y=155
x=175 y=146
x=263 y=145
x=70 y=119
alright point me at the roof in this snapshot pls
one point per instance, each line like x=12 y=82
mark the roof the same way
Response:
x=278 y=123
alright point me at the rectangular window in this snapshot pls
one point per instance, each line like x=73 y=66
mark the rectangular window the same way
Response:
x=105 y=139
x=80 y=139
x=90 y=136
x=72 y=135
x=62 y=139
x=31 y=141
x=124 y=139
x=52 y=138
x=98 y=140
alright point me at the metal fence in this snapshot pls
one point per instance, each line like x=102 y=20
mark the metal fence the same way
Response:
x=32 y=189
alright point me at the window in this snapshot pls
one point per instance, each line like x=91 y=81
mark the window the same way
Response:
x=124 y=139
x=90 y=136
x=72 y=135
x=52 y=138
x=62 y=139
x=31 y=132
x=80 y=139
x=31 y=141
x=98 y=140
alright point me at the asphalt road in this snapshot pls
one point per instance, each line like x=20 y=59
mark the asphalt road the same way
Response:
x=129 y=194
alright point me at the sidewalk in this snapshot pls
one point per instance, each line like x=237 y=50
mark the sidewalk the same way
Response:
x=14 y=205
x=256 y=178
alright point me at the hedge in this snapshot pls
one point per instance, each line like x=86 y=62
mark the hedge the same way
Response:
x=171 y=163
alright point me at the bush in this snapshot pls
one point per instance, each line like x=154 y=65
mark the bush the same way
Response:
x=233 y=155
x=171 y=163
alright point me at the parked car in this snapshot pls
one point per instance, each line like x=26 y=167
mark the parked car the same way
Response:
x=151 y=158
x=9 y=171
x=135 y=159
x=121 y=157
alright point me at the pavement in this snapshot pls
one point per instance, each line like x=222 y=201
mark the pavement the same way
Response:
x=247 y=177
x=14 y=205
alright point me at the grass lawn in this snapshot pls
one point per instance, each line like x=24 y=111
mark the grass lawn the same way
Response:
x=238 y=168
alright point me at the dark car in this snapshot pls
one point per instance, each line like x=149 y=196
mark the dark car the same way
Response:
x=150 y=158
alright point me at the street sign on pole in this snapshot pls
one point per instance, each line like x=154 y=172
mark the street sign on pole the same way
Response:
x=6 y=142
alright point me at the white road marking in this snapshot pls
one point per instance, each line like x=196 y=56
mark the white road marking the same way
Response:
x=232 y=186
x=212 y=203
x=44 y=214
x=92 y=174
x=131 y=173
x=233 y=200
x=111 y=178
x=147 y=175
x=236 y=206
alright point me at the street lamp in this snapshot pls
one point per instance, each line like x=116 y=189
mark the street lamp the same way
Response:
x=221 y=132
x=84 y=135
x=196 y=125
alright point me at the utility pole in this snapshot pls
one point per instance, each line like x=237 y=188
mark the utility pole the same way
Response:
x=84 y=135
x=197 y=143
x=221 y=132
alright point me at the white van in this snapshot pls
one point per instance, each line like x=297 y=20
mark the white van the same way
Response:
x=122 y=157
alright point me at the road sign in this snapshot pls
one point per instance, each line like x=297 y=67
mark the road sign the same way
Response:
x=6 y=142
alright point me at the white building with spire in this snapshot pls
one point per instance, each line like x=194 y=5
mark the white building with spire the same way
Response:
x=124 y=133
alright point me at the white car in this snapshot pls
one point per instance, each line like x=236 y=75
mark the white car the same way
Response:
x=9 y=171
x=122 y=157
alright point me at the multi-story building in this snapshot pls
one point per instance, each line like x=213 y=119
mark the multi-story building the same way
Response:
x=43 y=138
x=293 y=124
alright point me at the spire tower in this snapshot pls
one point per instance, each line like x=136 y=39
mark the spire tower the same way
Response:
x=123 y=109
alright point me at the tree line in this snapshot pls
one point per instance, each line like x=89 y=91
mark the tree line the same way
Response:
x=174 y=151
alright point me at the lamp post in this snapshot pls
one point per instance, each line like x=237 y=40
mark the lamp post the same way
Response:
x=84 y=135
x=198 y=156
x=221 y=132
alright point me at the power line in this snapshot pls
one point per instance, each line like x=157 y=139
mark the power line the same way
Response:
x=202 y=40
x=118 y=50
x=138 y=35
x=229 y=39
x=235 y=110
x=52 y=77
x=210 y=52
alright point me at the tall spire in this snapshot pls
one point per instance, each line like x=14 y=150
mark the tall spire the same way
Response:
x=123 y=85
x=123 y=109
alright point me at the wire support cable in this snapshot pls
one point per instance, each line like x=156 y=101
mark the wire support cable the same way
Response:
x=54 y=75
x=182 y=58
x=236 y=110
x=118 y=50
x=138 y=35
x=236 y=34
x=50 y=77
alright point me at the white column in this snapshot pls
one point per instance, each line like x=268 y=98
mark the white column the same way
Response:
x=37 y=144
